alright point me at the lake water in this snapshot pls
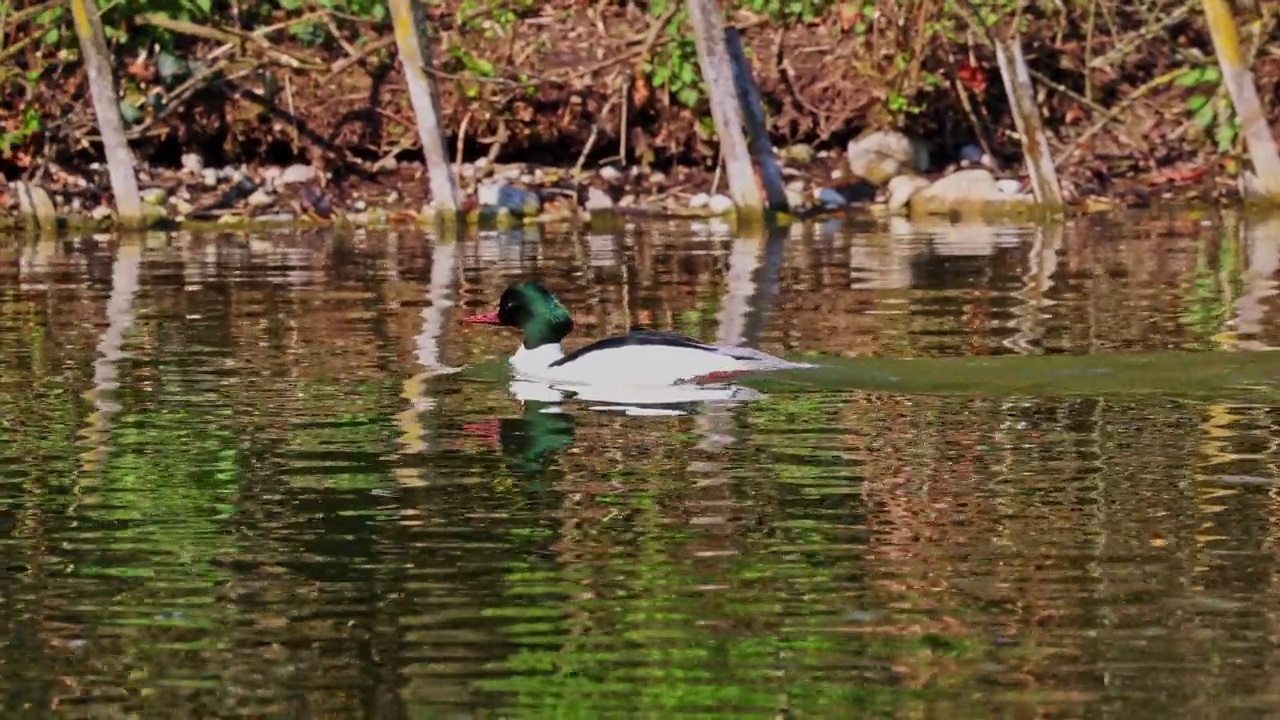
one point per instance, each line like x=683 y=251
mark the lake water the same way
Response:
x=238 y=480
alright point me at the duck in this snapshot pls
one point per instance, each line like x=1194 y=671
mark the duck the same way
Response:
x=645 y=358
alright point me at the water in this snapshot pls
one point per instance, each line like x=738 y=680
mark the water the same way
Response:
x=238 y=480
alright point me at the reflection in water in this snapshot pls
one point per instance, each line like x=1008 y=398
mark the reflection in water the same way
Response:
x=295 y=511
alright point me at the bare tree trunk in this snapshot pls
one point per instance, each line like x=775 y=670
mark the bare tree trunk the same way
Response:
x=1026 y=115
x=106 y=104
x=408 y=18
x=726 y=109
x=1244 y=96
x=775 y=189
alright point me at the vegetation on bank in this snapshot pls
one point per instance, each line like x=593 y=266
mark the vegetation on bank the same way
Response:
x=1126 y=88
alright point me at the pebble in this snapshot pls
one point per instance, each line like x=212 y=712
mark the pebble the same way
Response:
x=259 y=198
x=210 y=177
x=800 y=154
x=508 y=197
x=720 y=204
x=828 y=198
x=296 y=173
x=699 y=201
x=360 y=205
x=154 y=196
x=1009 y=186
x=597 y=200
x=100 y=213
x=610 y=174
x=192 y=163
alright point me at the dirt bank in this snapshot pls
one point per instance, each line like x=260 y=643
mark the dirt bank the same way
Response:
x=561 y=82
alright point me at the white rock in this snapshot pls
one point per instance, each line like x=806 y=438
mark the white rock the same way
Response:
x=487 y=193
x=610 y=174
x=209 y=176
x=360 y=205
x=795 y=199
x=296 y=173
x=699 y=201
x=260 y=198
x=964 y=190
x=598 y=200
x=1009 y=186
x=154 y=196
x=192 y=163
x=901 y=188
x=100 y=212
x=720 y=204
x=272 y=173
x=883 y=154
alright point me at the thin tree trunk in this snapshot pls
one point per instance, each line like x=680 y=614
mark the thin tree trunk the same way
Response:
x=106 y=105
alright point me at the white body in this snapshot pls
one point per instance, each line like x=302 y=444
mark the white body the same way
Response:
x=641 y=365
x=670 y=400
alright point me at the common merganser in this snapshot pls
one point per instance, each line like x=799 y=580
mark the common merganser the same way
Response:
x=639 y=358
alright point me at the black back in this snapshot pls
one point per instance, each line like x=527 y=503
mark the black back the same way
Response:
x=636 y=337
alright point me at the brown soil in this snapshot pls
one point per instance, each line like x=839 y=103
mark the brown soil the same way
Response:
x=570 y=78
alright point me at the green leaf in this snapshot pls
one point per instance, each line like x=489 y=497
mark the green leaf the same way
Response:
x=1210 y=74
x=1190 y=78
x=1225 y=136
x=688 y=96
x=1196 y=102
x=1205 y=116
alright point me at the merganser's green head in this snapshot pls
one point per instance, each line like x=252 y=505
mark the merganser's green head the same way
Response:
x=532 y=308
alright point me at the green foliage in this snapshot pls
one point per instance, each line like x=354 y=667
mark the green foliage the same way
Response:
x=674 y=66
x=789 y=11
x=1211 y=111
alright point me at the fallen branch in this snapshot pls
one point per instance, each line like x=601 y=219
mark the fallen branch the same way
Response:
x=1119 y=110
x=253 y=40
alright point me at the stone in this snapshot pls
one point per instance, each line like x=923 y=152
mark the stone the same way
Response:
x=192 y=163
x=800 y=154
x=610 y=174
x=970 y=154
x=260 y=198
x=597 y=200
x=884 y=154
x=501 y=196
x=296 y=173
x=901 y=189
x=966 y=191
x=154 y=196
x=720 y=204
x=1009 y=186
x=209 y=177
x=699 y=201
x=829 y=199
x=100 y=213
x=359 y=206
x=35 y=204
x=795 y=198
